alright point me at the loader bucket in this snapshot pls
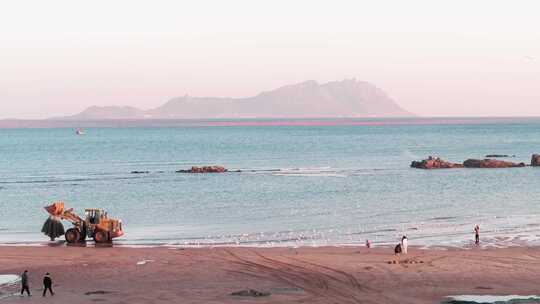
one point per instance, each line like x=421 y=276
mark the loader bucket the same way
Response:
x=56 y=209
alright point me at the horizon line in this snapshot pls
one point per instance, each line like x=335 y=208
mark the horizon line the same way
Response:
x=260 y=122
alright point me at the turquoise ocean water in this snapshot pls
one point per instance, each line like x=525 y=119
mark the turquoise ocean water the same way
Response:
x=302 y=185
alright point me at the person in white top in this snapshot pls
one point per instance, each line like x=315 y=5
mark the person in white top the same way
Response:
x=404 y=244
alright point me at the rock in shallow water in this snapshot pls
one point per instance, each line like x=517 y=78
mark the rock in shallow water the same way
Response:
x=205 y=169
x=434 y=163
x=140 y=172
x=535 y=160
x=499 y=155
x=490 y=163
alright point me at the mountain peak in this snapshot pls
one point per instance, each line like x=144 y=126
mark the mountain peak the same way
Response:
x=309 y=83
x=109 y=112
x=345 y=98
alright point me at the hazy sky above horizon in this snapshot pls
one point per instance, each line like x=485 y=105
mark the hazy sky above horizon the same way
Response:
x=435 y=58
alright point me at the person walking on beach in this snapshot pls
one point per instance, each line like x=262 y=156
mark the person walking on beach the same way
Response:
x=404 y=244
x=477 y=235
x=24 y=283
x=368 y=244
x=47 y=284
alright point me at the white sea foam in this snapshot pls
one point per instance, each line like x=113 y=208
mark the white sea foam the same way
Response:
x=9 y=279
x=310 y=172
x=485 y=299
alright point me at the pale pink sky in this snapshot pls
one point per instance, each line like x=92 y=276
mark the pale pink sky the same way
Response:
x=453 y=58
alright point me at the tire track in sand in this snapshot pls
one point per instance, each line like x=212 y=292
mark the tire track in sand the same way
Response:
x=319 y=281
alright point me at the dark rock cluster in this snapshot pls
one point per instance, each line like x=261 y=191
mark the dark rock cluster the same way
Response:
x=535 y=160
x=437 y=163
x=205 y=169
x=490 y=163
x=434 y=163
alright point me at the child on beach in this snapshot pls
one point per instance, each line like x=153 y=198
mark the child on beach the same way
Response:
x=477 y=235
x=368 y=244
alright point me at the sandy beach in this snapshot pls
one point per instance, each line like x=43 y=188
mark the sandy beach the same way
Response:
x=304 y=275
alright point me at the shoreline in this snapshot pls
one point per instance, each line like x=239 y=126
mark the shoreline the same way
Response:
x=290 y=275
x=490 y=239
x=375 y=246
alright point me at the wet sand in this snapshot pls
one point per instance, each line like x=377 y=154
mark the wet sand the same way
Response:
x=305 y=275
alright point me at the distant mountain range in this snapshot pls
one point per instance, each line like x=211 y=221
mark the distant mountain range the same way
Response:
x=347 y=98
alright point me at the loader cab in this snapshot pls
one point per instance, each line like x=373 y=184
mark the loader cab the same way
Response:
x=94 y=216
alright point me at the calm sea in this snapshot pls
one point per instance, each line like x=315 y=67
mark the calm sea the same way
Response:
x=303 y=184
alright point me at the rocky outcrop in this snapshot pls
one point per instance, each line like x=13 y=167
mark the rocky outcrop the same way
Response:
x=434 y=163
x=535 y=160
x=437 y=163
x=140 y=172
x=490 y=163
x=205 y=169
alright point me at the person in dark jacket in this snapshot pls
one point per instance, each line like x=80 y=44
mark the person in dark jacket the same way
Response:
x=397 y=249
x=24 y=283
x=47 y=284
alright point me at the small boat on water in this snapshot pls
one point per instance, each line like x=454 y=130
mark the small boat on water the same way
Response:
x=80 y=132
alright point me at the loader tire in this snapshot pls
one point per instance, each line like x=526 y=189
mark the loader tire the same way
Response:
x=101 y=237
x=72 y=235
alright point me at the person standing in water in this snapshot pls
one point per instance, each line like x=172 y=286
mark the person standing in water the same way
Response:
x=47 y=284
x=477 y=235
x=24 y=283
x=404 y=244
